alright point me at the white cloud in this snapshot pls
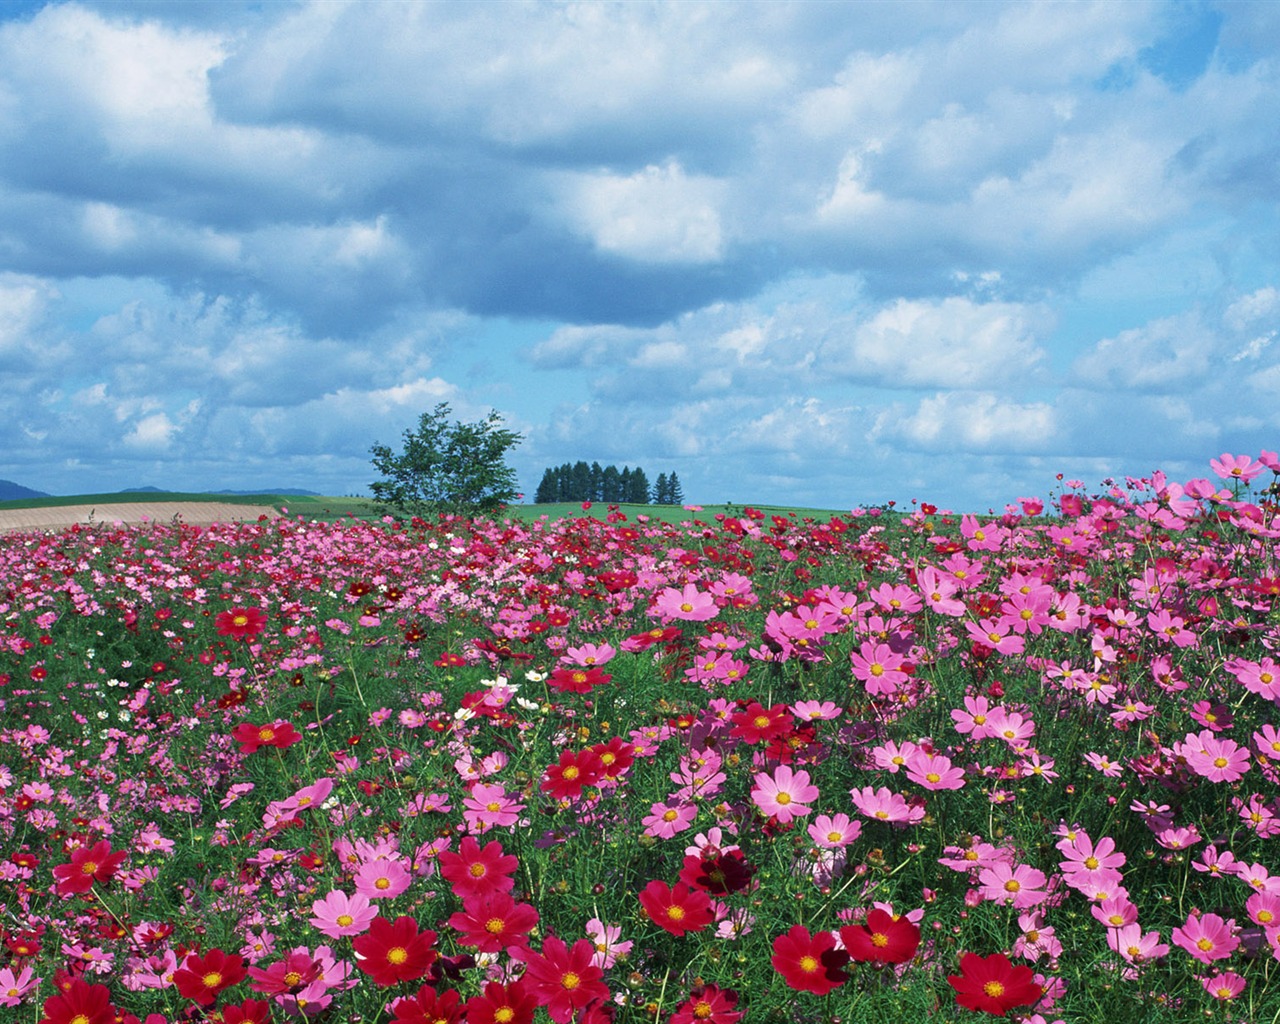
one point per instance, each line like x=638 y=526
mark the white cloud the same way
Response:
x=1168 y=354
x=955 y=343
x=971 y=422
x=153 y=433
x=657 y=215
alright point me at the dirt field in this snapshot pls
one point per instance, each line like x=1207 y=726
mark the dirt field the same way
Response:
x=193 y=513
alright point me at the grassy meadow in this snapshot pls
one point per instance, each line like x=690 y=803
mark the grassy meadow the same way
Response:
x=649 y=765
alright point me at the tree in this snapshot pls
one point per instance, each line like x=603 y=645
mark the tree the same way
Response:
x=675 y=493
x=638 y=488
x=661 y=496
x=547 y=489
x=447 y=466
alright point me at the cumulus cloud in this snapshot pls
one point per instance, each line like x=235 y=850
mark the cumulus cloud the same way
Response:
x=762 y=238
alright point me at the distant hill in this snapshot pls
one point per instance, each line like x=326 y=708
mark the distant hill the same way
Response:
x=224 y=490
x=9 y=491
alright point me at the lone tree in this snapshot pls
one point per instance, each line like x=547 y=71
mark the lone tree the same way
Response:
x=447 y=466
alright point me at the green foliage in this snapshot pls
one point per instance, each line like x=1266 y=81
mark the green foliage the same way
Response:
x=447 y=466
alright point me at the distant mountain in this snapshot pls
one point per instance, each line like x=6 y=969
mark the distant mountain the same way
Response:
x=225 y=490
x=273 y=490
x=9 y=491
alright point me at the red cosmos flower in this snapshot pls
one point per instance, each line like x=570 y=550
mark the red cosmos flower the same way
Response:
x=564 y=980
x=476 y=870
x=756 y=722
x=394 y=951
x=251 y=737
x=719 y=873
x=292 y=974
x=428 y=1007
x=240 y=623
x=565 y=780
x=677 y=910
x=884 y=939
x=80 y=1003
x=577 y=680
x=500 y=1004
x=201 y=978
x=88 y=865
x=251 y=1011
x=708 y=1005
x=993 y=985
x=493 y=922
x=616 y=756
x=809 y=963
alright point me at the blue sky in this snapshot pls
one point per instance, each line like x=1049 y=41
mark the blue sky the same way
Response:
x=803 y=253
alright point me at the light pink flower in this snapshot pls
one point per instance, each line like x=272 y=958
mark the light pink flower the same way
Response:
x=339 y=914
x=1207 y=937
x=785 y=795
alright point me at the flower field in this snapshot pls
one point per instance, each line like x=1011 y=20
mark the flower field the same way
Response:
x=891 y=766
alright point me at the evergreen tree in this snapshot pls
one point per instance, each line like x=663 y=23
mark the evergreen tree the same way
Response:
x=660 y=494
x=638 y=493
x=580 y=478
x=597 y=483
x=624 y=484
x=675 y=493
x=547 y=489
x=611 y=485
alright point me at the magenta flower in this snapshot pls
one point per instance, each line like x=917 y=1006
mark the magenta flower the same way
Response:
x=1016 y=885
x=934 y=771
x=785 y=795
x=382 y=879
x=884 y=805
x=339 y=914
x=665 y=820
x=834 y=832
x=489 y=805
x=1224 y=986
x=1207 y=937
x=688 y=604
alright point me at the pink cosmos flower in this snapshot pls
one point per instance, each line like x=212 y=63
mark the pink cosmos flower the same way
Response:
x=973 y=720
x=883 y=805
x=878 y=667
x=487 y=806
x=14 y=986
x=785 y=795
x=834 y=832
x=339 y=914
x=605 y=938
x=1224 y=986
x=664 y=821
x=1018 y=885
x=1136 y=946
x=1216 y=758
x=382 y=879
x=688 y=604
x=934 y=771
x=1236 y=467
x=1086 y=861
x=1207 y=937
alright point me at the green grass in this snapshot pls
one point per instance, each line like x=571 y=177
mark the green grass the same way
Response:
x=329 y=508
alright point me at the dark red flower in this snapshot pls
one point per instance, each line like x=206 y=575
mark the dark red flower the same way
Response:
x=251 y=737
x=428 y=1007
x=251 y=1011
x=708 y=1005
x=564 y=980
x=677 y=910
x=240 y=623
x=809 y=963
x=493 y=922
x=756 y=722
x=616 y=756
x=476 y=870
x=884 y=939
x=79 y=1003
x=577 y=680
x=394 y=951
x=91 y=864
x=509 y=1004
x=565 y=781
x=993 y=985
x=201 y=978
x=718 y=873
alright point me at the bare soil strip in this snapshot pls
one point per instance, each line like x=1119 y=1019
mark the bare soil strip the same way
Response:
x=192 y=513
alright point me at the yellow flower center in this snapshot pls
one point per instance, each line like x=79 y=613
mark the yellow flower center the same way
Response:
x=397 y=955
x=569 y=981
x=993 y=989
x=808 y=964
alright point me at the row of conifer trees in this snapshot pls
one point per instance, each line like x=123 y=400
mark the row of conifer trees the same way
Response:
x=581 y=481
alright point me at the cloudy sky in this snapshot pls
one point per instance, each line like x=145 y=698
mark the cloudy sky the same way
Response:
x=824 y=254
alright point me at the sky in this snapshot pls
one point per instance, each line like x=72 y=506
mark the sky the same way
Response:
x=814 y=254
